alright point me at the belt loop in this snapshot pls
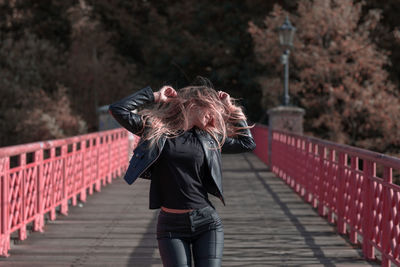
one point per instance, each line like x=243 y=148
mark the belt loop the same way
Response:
x=170 y=236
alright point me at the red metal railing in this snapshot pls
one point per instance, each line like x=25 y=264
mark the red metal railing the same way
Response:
x=351 y=186
x=37 y=178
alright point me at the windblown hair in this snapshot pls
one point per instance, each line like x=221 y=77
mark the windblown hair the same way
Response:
x=171 y=118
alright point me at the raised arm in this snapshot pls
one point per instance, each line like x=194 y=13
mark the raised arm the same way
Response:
x=243 y=141
x=122 y=110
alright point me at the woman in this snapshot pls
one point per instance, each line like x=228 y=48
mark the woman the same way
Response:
x=182 y=136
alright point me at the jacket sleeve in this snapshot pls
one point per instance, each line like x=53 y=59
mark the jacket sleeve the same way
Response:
x=242 y=143
x=122 y=109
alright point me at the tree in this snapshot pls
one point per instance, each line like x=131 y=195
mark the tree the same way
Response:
x=384 y=34
x=95 y=73
x=171 y=42
x=337 y=73
x=34 y=106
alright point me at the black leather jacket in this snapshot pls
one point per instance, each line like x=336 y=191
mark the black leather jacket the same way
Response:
x=143 y=157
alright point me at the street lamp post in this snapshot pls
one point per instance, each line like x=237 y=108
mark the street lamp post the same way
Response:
x=285 y=118
x=286 y=33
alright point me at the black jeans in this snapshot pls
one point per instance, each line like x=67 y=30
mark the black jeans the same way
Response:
x=199 y=231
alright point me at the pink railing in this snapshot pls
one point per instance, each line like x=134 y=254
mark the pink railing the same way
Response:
x=37 y=178
x=351 y=186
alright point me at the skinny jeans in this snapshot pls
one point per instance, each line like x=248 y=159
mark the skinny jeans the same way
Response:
x=198 y=233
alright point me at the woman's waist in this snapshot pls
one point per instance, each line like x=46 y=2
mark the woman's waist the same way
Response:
x=187 y=221
x=171 y=212
x=175 y=211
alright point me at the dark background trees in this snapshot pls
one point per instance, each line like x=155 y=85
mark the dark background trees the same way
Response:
x=339 y=75
x=61 y=59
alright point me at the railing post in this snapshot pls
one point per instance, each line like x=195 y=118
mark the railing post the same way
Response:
x=321 y=193
x=269 y=148
x=98 y=173
x=285 y=151
x=4 y=208
x=331 y=174
x=39 y=219
x=369 y=171
x=91 y=165
x=307 y=173
x=53 y=180
x=120 y=153
x=304 y=157
x=82 y=196
x=74 y=160
x=270 y=157
x=109 y=145
x=64 y=201
x=386 y=236
x=313 y=183
x=353 y=215
x=22 y=229
x=340 y=196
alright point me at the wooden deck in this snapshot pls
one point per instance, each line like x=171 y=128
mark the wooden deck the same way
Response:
x=266 y=224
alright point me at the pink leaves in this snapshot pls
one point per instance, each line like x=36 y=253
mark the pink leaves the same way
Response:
x=336 y=72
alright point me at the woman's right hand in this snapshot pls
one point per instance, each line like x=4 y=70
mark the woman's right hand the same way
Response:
x=165 y=94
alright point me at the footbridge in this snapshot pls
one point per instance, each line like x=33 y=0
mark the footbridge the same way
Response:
x=295 y=201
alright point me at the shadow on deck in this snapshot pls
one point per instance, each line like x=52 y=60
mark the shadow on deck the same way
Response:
x=266 y=224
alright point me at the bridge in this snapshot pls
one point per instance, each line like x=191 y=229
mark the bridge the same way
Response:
x=302 y=201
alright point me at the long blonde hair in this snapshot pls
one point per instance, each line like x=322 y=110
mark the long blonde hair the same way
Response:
x=170 y=118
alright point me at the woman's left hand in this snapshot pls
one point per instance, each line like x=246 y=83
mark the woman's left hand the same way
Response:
x=226 y=99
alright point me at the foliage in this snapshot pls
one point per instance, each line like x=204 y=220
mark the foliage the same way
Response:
x=34 y=106
x=337 y=73
x=94 y=73
x=80 y=54
x=101 y=51
x=384 y=35
x=172 y=42
x=50 y=117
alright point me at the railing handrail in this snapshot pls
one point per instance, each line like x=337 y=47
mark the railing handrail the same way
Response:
x=393 y=162
x=29 y=147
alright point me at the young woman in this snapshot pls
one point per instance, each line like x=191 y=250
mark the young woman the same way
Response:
x=182 y=136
